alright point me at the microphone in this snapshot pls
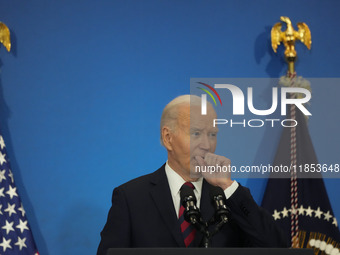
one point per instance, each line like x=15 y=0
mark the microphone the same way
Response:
x=192 y=213
x=188 y=200
x=219 y=201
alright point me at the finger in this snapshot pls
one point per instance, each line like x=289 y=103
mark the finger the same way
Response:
x=200 y=160
x=223 y=161
x=210 y=159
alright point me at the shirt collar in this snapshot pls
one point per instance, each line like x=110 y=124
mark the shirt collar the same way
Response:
x=176 y=181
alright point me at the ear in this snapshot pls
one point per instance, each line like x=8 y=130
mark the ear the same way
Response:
x=167 y=138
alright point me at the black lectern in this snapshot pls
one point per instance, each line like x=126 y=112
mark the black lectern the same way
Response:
x=209 y=251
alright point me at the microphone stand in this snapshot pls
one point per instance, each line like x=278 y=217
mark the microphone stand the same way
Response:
x=202 y=227
x=192 y=215
x=207 y=235
x=221 y=214
x=219 y=225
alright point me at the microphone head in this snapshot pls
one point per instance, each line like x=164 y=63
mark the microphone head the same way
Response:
x=188 y=201
x=218 y=199
x=216 y=191
x=187 y=194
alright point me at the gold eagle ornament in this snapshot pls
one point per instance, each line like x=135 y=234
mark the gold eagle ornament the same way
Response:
x=289 y=37
x=5 y=38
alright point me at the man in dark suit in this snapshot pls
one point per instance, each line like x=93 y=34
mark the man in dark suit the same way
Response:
x=145 y=212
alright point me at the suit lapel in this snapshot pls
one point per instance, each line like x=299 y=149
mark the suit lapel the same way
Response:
x=161 y=196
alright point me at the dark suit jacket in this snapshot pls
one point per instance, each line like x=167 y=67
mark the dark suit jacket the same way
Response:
x=143 y=215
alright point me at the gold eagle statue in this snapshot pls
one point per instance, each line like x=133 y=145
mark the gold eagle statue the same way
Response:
x=5 y=38
x=289 y=37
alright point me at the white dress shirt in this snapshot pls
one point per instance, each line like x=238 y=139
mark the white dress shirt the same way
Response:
x=176 y=182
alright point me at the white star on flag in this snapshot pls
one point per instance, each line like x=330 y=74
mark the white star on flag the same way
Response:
x=22 y=225
x=2 y=158
x=10 y=209
x=2 y=175
x=8 y=227
x=22 y=210
x=5 y=244
x=12 y=192
x=335 y=222
x=285 y=212
x=318 y=213
x=276 y=215
x=11 y=175
x=301 y=210
x=2 y=143
x=327 y=216
x=21 y=243
x=293 y=210
x=309 y=211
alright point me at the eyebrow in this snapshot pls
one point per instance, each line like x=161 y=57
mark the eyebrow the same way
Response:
x=196 y=129
x=215 y=129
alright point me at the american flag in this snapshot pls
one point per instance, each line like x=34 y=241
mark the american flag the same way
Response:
x=317 y=226
x=15 y=233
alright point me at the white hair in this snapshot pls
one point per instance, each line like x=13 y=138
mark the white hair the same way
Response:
x=170 y=112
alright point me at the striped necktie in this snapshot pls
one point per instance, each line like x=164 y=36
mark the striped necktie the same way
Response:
x=188 y=231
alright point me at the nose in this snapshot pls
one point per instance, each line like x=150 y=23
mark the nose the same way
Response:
x=205 y=143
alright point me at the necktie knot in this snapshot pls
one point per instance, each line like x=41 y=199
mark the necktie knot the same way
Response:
x=189 y=184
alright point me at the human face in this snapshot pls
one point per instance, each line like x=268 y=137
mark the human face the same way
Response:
x=194 y=136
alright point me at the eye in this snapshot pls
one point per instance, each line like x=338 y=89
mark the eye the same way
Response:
x=213 y=134
x=196 y=133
